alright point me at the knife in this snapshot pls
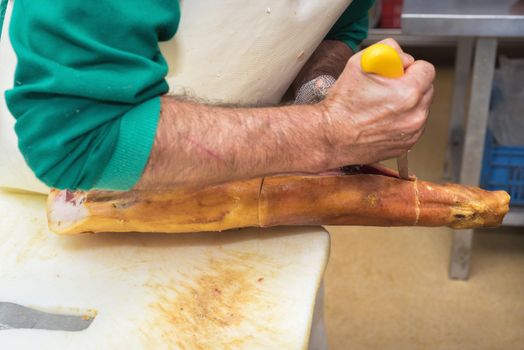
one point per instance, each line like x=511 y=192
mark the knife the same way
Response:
x=16 y=316
x=403 y=168
x=384 y=60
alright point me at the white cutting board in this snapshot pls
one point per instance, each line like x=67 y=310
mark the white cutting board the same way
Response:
x=244 y=289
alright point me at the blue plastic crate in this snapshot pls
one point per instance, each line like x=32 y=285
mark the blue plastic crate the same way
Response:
x=503 y=169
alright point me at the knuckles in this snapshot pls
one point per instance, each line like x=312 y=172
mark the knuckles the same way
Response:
x=407 y=97
x=417 y=122
x=420 y=119
x=428 y=70
x=392 y=42
x=412 y=141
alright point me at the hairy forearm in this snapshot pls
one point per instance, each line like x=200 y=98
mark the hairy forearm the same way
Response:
x=329 y=58
x=199 y=145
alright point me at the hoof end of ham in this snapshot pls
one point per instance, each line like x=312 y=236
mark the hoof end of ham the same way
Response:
x=467 y=207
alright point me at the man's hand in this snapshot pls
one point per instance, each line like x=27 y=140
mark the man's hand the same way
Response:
x=369 y=118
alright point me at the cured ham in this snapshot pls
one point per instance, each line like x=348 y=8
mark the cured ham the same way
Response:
x=367 y=195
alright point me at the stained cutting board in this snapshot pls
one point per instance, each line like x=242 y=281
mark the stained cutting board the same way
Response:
x=244 y=289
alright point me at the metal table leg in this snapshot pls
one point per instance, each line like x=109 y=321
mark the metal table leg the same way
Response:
x=318 y=337
x=483 y=69
x=462 y=81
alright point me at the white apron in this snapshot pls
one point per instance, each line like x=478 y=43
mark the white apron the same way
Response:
x=231 y=51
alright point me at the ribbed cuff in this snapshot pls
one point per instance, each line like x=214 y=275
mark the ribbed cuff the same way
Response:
x=353 y=45
x=135 y=141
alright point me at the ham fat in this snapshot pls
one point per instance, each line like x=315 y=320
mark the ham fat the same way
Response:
x=376 y=198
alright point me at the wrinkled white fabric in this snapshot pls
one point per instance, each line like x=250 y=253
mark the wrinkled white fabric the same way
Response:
x=224 y=51
x=228 y=52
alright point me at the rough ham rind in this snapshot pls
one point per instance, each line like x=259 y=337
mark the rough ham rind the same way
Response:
x=329 y=199
x=337 y=200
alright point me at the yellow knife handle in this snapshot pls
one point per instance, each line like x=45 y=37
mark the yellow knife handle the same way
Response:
x=383 y=60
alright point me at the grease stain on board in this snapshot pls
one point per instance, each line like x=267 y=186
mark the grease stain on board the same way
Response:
x=36 y=246
x=223 y=307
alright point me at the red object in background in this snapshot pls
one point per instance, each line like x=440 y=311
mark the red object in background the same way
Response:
x=391 y=11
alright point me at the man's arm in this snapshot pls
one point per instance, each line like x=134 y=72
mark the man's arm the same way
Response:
x=365 y=118
x=197 y=144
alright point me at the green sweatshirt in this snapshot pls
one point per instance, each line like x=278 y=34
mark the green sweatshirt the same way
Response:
x=87 y=87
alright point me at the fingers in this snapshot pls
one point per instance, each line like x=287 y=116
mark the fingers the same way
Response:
x=410 y=143
x=419 y=119
x=419 y=115
x=426 y=99
x=420 y=76
x=411 y=88
x=393 y=43
x=407 y=59
x=411 y=125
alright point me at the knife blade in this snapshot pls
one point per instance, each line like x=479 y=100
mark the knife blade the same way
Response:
x=403 y=168
x=16 y=316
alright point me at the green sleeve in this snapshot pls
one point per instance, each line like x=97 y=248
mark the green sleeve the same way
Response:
x=87 y=87
x=3 y=7
x=352 y=26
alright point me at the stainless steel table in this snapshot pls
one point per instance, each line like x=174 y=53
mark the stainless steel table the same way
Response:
x=477 y=24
